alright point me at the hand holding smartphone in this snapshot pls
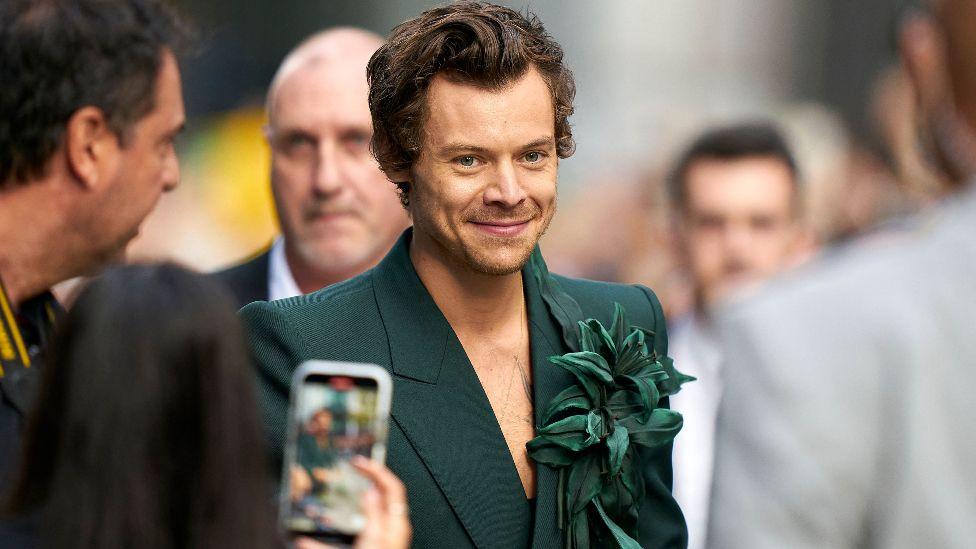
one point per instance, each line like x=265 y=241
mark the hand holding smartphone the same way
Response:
x=338 y=410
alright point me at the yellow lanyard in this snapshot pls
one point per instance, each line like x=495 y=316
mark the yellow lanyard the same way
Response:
x=12 y=349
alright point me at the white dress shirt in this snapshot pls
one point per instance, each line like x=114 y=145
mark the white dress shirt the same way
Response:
x=695 y=351
x=281 y=283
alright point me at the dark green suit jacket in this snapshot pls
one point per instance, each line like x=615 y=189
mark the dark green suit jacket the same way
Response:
x=445 y=443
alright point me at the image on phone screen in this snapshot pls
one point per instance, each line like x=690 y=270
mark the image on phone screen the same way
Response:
x=336 y=417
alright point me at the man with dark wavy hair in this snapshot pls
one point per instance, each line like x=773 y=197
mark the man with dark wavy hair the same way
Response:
x=89 y=107
x=470 y=104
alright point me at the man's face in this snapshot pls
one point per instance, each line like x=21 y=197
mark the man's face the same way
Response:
x=336 y=208
x=484 y=187
x=320 y=423
x=739 y=226
x=145 y=166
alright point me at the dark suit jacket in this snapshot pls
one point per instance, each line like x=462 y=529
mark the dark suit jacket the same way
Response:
x=445 y=443
x=247 y=281
x=19 y=385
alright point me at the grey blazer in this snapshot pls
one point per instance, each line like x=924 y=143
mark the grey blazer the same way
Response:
x=849 y=417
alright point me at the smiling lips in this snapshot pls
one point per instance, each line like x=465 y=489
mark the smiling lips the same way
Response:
x=505 y=227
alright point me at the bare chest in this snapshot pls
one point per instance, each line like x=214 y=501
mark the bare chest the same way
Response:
x=506 y=377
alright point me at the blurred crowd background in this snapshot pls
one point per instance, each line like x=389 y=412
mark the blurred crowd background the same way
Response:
x=650 y=77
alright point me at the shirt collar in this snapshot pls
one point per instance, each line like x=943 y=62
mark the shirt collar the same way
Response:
x=281 y=283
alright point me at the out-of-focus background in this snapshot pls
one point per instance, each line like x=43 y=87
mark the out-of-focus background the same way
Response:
x=650 y=75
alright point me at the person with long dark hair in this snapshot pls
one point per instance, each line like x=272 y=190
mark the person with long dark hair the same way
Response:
x=147 y=431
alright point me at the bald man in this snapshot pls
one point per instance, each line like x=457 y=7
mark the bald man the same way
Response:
x=847 y=414
x=338 y=213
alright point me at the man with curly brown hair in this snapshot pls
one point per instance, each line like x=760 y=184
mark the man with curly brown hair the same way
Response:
x=470 y=105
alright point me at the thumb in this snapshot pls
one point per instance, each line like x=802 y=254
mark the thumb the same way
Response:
x=922 y=46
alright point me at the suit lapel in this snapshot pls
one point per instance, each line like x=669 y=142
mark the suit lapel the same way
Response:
x=19 y=385
x=547 y=379
x=442 y=409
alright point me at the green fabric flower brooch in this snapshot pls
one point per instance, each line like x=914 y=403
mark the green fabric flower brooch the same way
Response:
x=590 y=431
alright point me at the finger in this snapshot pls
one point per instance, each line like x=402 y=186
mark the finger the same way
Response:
x=372 y=506
x=922 y=48
x=376 y=521
x=390 y=487
x=309 y=543
x=390 y=526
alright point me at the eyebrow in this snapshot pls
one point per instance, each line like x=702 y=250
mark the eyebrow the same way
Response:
x=459 y=146
x=175 y=132
x=291 y=132
x=546 y=141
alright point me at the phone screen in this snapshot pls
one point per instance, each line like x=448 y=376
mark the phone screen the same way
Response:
x=336 y=418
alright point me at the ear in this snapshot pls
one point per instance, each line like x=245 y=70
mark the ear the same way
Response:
x=90 y=145
x=922 y=45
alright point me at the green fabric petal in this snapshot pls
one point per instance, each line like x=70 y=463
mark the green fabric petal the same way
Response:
x=584 y=482
x=619 y=327
x=595 y=425
x=561 y=305
x=596 y=336
x=570 y=432
x=630 y=475
x=659 y=430
x=672 y=384
x=590 y=369
x=549 y=453
x=649 y=394
x=619 y=503
x=623 y=540
x=570 y=398
x=617 y=444
x=624 y=404
x=579 y=533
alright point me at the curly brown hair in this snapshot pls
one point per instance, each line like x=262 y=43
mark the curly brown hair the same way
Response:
x=477 y=43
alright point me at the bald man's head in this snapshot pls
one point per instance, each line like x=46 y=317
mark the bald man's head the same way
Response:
x=338 y=212
x=342 y=50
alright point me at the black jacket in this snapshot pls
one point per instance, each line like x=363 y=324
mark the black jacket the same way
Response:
x=247 y=281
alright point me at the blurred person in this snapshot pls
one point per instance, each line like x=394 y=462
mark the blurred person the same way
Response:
x=147 y=433
x=736 y=204
x=894 y=118
x=91 y=103
x=338 y=213
x=847 y=414
x=848 y=188
x=470 y=105
x=316 y=453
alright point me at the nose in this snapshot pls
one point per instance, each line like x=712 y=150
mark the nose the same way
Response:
x=171 y=173
x=738 y=240
x=505 y=189
x=327 y=178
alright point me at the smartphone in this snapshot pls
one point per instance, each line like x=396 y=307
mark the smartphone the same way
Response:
x=337 y=410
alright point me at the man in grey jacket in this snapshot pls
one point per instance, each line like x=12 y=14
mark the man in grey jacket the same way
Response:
x=848 y=414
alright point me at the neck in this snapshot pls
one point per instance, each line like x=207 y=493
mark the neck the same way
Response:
x=470 y=301
x=310 y=278
x=34 y=254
